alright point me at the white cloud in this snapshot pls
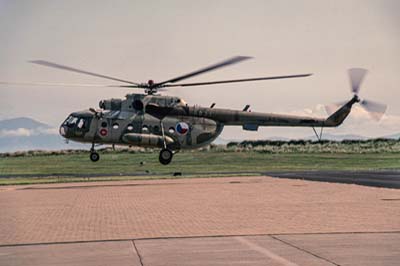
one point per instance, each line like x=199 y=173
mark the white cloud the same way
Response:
x=316 y=111
x=20 y=132
x=24 y=132
x=50 y=131
x=358 y=122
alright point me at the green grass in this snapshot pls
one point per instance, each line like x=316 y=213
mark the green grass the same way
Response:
x=197 y=163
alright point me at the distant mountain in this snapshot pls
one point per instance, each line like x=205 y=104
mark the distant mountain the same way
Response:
x=23 y=133
x=277 y=138
x=21 y=122
x=393 y=136
x=325 y=136
x=352 y=137
x=338 y=137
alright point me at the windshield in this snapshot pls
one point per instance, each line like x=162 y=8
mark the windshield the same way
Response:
x=70 y=121
x=75 y=125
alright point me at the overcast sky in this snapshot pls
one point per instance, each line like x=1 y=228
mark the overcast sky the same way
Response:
x=141 y=40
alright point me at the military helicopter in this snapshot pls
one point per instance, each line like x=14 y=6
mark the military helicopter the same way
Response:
x=169 y=123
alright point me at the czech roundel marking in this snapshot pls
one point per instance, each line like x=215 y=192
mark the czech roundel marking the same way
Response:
x=103 y=132
x=182 y=128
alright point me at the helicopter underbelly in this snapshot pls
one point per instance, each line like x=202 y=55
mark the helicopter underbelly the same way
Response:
x=180 y=132
x=187 y=132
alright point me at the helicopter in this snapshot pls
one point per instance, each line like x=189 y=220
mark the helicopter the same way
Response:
x=168 y=123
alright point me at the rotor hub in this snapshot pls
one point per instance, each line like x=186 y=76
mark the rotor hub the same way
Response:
x=356 y=98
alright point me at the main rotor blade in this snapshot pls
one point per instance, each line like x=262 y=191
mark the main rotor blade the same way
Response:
x=356 y=76
x=235 y=80
x=58 y=84
x=224 y=63
x=54 y=65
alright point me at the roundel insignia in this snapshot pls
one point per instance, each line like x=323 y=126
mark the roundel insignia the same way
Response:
x=182 y=128
x=103 y=132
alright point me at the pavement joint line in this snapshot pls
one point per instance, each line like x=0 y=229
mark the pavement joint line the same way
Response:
x=141 y=176
x=137 y=252
x=337 y=233
x=88 y=185
x=265 y=252
x=186 y=237
x=304 y=250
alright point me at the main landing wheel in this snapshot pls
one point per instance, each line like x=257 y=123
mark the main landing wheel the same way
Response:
x=165 y=156
x=94 y=156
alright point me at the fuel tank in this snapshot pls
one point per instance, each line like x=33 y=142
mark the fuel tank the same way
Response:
x=146 y=140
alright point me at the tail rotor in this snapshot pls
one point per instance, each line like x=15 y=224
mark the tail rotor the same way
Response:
x=356 y=76
x=374 y=109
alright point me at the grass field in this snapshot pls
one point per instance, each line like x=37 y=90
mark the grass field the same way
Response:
x=74 y=167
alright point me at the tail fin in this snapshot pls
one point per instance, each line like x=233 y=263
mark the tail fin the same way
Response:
x=340 y=115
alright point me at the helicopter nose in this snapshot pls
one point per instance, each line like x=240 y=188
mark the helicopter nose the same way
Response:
x=63 y=131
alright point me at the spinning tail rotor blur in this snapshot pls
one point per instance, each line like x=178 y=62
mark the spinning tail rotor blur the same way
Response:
x=356 y=76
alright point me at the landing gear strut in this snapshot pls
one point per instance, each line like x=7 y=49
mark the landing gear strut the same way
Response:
x=165 y=156
x=94 y=156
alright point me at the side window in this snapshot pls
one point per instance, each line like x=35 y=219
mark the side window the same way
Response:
x=81 y=123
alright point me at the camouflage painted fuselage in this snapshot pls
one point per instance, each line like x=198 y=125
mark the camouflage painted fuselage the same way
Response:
x=158 y=121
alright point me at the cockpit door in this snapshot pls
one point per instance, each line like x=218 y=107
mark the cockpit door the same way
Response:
x=82 y=126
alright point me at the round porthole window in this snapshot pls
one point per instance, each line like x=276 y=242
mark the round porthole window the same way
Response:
x=145 y=129
x=171 y=130
x=103 y=124
x=115 y=126
x=130 y=127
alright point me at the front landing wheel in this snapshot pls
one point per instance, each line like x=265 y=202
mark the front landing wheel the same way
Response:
x=165 y=156
x=94 y=156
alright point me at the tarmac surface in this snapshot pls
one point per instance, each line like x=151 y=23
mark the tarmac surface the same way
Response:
x=381 y=178
x=206 y=221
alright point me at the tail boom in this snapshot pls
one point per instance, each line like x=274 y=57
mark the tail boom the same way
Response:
x=252 y=120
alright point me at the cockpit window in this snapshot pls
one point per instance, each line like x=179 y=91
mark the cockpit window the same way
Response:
x=81 y=123
x=78 y=122
x=71 y=121
x=67 y=120
x=76 y=125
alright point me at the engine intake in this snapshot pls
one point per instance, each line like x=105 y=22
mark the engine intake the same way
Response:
x=111 y=104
